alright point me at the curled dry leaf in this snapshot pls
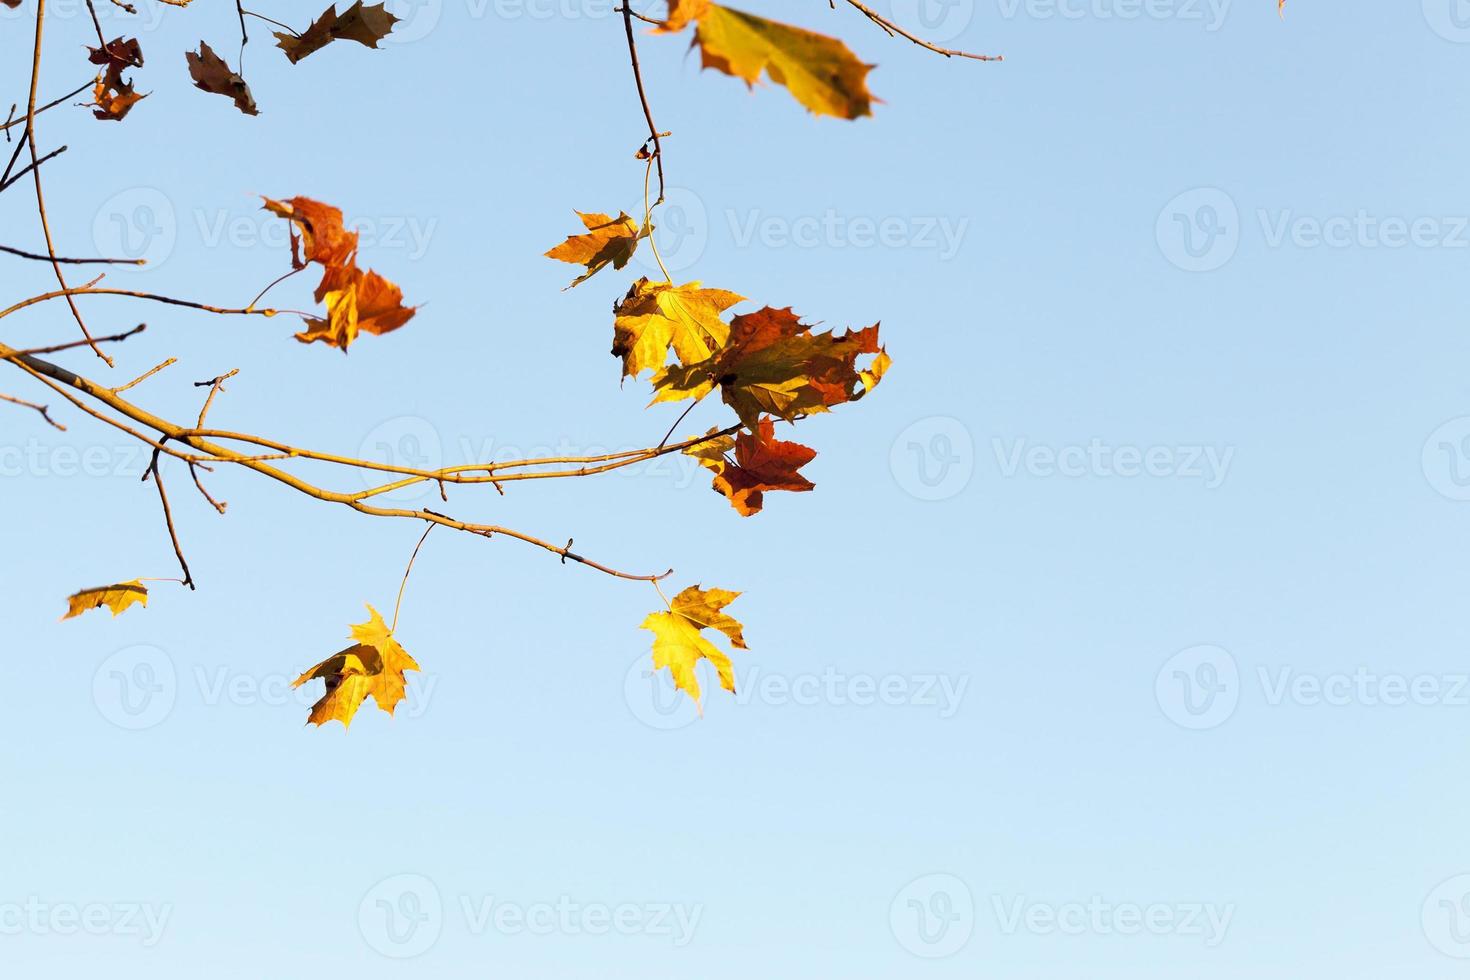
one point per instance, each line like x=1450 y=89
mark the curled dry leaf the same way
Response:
x=655 y=316
x=211 y=74
x=373 y=665
x=112 y=95
x=679 y=642
x=821 y=72
x=356 y=301
x=762 y=462
x=609 y=241
x=115 y=597
x=774 y=364
x=365 y=25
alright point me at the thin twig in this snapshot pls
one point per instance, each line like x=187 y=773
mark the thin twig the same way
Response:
x=145 y=376
x=115 y=338
x=654 y=136
x=168 y=516
x=216 y=385
x=39 y=408
x=30 y=138
x=890 y=28
x=10 y=179
x=46 y=258
x=52 y=105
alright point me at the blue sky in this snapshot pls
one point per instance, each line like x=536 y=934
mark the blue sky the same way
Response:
x=1121 y=638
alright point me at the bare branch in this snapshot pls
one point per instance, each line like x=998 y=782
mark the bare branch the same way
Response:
x=39 y=408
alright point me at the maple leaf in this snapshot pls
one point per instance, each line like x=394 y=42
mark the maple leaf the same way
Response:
x=374 y=665
x=774 y=364
x=609 y=241
x=681 y=14
x=657 y=315
x=365 y=25
x=211 y=74
x=112 y=95
x=821 y=72
x=679 y=643
x=323 y=238
x=115 y=597
x=357 y=301
x=762 y=462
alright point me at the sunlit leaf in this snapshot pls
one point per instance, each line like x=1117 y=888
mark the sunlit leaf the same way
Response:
x=374 y=665
x=115 y=597
x=679 y=642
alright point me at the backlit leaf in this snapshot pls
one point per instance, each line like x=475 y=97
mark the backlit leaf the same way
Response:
x=357 y=301
x=820 y=71
x=762 y=462
x=609 y=241
x=679 y=642
x=115 y=597
x=774 y=364
x=657 y=315
x=374 y=665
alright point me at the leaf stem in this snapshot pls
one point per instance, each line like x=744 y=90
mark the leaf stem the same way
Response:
x=404 y=584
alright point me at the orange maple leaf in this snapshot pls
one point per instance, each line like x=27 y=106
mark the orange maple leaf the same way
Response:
x=356 y=301
x=112 y=95
x=774 y=364
x=762 y=462
x=609 y=241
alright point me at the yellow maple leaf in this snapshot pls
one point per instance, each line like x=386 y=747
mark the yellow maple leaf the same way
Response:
x=115 y=597
x=657 y=315
x=820 y=71
x=609 y=241
x=374 y=666
x=679 y=643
